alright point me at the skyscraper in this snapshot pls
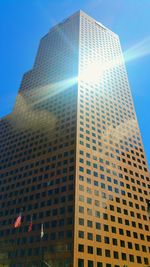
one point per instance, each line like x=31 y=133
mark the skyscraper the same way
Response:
x=72 y=159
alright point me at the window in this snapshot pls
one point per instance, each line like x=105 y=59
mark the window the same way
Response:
x=120 y=220
x=137 y=247
x=114 y=229
x=128 y=233
x=141 y=236
x=130 y=245
x=131 y=257
x=81 y=234
x=98 y=238
x=98 y=225
x=127 y=222
x=106 y=228
x=90 y=249
x=139 y=259
x=146 y=261
x=121 y=232
x=116 y=255
x=90 y=236
x=81 y=209
x=89 y=223
x=90 y=263
x=80 y=263
x=124 y=256
x=81 y=221
x=107 y=253
x=144 y=248
x=99 y=251
x=106 y=239
x=114 y=241
x=81 y=248
x=122 y=243
x=112 y=218
x=111 y=207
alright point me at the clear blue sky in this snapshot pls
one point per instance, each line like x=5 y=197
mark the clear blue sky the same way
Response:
x=24 y=22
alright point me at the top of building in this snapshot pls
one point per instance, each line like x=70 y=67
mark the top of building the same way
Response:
x=82 y=13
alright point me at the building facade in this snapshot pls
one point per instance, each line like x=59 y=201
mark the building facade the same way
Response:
x=72 y=158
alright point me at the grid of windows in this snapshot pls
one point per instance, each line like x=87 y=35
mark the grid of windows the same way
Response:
x=112 y=172
x=37 y=154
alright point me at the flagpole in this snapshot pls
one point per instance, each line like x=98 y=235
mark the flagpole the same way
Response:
x=42 y=252
x=42 y=257
x=29 y=230
x=17 y=224
x=17 y=235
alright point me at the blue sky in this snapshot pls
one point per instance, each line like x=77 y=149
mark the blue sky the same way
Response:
x=24 y=22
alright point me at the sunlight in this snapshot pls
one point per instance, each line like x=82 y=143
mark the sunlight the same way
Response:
x=95 y=70
x=26 y=117
x=138 y=50
x=47 y=91
x=92 y=72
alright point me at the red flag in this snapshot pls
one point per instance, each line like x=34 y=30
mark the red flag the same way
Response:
x=18 y=222
x=30 y=226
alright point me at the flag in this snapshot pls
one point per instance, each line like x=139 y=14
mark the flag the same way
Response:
x=42 y=231
x=30 y=226
x=18 y=222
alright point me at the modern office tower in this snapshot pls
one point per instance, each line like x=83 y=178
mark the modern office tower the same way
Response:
x=72 y=158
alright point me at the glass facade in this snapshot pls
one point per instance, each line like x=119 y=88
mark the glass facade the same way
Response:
x=111 y=197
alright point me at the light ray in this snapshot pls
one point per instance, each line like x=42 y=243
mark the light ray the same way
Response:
x=39 y=94
x=94 y=70
x=54 y=88
x=26 y=116
x=138 y=50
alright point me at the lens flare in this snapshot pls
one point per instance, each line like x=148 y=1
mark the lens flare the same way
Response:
x=94 y=71
x=138 y=50
x=52 y=89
